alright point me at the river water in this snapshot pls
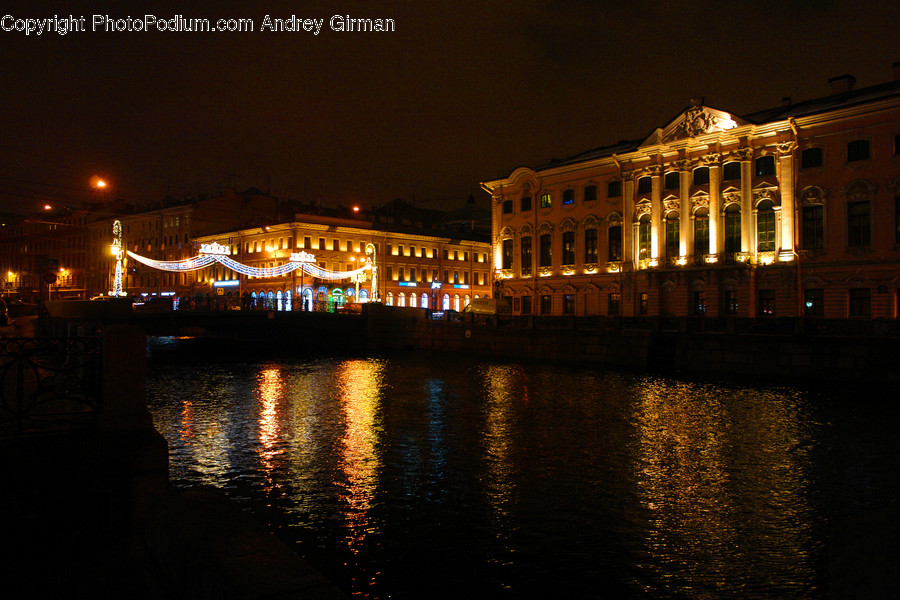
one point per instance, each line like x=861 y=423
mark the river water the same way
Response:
x=424 y=476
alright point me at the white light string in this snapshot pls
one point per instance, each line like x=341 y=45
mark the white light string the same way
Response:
x=204 y=260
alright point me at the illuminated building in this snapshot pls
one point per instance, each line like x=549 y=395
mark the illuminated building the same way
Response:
x=789 y=211
x=419 y=264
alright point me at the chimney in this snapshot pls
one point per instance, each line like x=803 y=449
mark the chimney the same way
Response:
x=895 y=70
x=841 y=83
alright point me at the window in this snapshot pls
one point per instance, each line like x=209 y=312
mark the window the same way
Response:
x=731 y=171
x=858 y=150
x=568 y=197
x=766 y=303
x=546 y=304
x=336 y=245
x=526 y=305
x=645 y=185
x=525 y=203
x=858 y=232
x=698 y=307
x=545 y=200
x=673 y=180
x=811 y=157
x=321 y=243
x=590 y=193
x=401 y=276
x=701 y=176
x=614 y=189
x=614 y=234
x=813 y=302
x=390 y=273
x=644 y=231
x=526 y=255
x=568 y=248
x=731 y=302
x=765 y=227
x=507 y=207
x=613 y=304
x=765 y=166
x=568 y=304
x=732 y=228
x=813 y=227
x=546 y=254
x=349 y=246
x=673 y=235
x=507 y=254
x=590 y=245
x=860 y=302
x=643 y=303
x=701 y=232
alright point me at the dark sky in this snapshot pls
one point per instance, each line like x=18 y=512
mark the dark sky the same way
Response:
x=461 y=92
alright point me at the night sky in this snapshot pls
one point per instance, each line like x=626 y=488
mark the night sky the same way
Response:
x=461 y=92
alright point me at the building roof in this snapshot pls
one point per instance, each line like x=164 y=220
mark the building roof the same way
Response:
x=787 y=110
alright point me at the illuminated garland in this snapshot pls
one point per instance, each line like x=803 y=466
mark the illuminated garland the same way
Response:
x=298 y=261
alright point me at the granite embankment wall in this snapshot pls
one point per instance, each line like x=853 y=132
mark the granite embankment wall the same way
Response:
x=777 y=356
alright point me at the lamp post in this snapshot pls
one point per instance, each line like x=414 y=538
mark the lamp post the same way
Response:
x=117 y=251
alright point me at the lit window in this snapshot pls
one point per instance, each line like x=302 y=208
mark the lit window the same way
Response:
x=814 y=302
x=765 y=227
x=568 y=197
x=732 y=228
x=766 y=303
x=701 y=232
x=545 y=201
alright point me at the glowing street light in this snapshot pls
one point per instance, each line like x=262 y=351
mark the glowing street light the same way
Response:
x=98 y=182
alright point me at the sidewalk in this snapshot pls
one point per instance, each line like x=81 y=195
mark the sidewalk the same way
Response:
x=20 y=327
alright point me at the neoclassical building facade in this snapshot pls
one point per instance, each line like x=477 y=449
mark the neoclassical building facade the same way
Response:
x=785 y=212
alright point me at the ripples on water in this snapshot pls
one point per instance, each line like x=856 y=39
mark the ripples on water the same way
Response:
x=416 y=477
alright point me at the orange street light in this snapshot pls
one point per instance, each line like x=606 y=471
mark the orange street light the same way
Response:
x=98 y=182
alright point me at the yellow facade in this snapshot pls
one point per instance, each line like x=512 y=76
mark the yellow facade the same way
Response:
x=792 y=211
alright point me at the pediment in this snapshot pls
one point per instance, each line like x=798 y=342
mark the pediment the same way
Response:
x=697 y=120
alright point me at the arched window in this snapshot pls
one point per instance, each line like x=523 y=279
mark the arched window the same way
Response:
x=278 y=303
x=701 y=176
x=590 y=245
x=765 y=227
x=733 y=228
x=253 y=300
x=456 y=306
x=389 y=301
x=288 y=306
x=424 y=300
x=445 y=305
x=413 y=300
x=701 y=232
x=466 y=301
x=644 y=231
x=401 y=299
x=645 y=185
x=270 y=300
x=363 y=295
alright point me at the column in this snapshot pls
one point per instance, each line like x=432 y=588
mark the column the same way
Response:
x=747 y=244
x=716 y=241
x=685 y=232
x=786 y=185
x=655 y=213
x=627 y=221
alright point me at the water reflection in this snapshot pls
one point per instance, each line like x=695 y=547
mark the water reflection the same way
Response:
x=270 y=393
x=359 y=392
x=722 y=485
x=411 y=478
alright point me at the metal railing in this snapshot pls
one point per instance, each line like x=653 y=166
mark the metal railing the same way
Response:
x=49 y=385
